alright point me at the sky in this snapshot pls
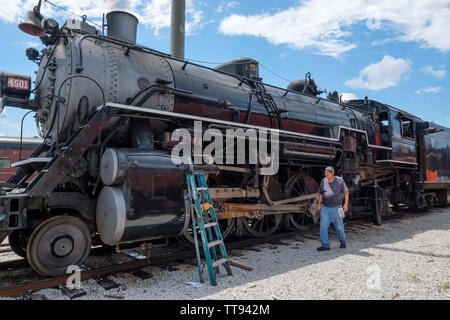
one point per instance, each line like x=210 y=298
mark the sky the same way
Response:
x=396 y=52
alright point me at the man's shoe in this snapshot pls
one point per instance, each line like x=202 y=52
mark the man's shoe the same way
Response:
x=343 y=246
x=322 y=248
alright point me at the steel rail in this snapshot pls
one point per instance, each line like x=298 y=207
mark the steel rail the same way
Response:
x=23 y=263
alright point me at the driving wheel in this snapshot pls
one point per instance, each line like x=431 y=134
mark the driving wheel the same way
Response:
x=226 y=226
x=297 y=186
x=264 y=227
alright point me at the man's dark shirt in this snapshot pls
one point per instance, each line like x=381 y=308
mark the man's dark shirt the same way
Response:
x=332 y=193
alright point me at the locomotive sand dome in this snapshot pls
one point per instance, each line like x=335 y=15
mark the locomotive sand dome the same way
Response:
x=244 y=67
x=108 y=108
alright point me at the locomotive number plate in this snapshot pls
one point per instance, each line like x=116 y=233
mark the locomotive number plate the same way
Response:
x=20 y=84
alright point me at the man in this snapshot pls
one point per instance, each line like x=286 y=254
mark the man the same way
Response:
x=332 y=191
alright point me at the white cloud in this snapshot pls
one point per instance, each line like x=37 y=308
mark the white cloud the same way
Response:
x=325 y=26
x=439 y=73
x=5 y=123
x=226 y=5
x=429 y=90
x=380 y=75
x=151 y=13
x=28 y=44
x=348 y=96
x=381 y=42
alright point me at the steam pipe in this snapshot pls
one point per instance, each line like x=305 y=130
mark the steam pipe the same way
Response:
x=21 y=133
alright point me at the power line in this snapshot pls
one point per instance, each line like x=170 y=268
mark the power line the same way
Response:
x=64 y=9
x=276 y=75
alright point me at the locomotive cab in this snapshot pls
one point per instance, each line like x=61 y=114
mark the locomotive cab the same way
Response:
x=403 y=137
x=393 y=129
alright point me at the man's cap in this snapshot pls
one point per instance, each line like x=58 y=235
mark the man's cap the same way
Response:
x=330 y=169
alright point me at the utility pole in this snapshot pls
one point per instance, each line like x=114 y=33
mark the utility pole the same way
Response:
x=177 y=28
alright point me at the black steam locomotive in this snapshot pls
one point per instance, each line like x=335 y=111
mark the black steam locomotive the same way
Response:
x=107 y=107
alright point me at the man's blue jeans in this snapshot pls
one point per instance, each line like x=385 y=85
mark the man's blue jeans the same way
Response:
x=327 y=216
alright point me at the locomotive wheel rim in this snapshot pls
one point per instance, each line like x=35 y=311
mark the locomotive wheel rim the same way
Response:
x=261 y=228
x=58 y=243
x=18 y=240
x=226 y=226
x=297 y=186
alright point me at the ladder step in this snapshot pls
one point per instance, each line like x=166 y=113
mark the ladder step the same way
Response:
x=219 y=263
x=209 y=225
x=204 y=210
x=215 y=243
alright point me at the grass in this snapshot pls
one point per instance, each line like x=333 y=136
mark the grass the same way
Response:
x=443 y=286
x=414 y=278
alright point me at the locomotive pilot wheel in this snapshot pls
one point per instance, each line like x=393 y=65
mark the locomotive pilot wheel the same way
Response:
x=58 y=243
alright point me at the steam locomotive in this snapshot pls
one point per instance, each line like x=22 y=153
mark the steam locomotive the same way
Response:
x=107 y=109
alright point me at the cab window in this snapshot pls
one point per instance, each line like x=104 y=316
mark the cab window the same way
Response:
x=384 y=122
x=396 y=126
x=407 y=127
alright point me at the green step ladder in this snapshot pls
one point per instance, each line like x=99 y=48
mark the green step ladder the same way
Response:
x=202 y=213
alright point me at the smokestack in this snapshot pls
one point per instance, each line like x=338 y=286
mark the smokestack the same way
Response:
x=177 y=29
x=122 y=25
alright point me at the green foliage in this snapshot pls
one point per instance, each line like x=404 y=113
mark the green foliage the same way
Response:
x=443 y=286
x=414 y=278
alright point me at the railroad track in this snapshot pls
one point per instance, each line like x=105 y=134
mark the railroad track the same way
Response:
x=134 y=267
x=16 y=264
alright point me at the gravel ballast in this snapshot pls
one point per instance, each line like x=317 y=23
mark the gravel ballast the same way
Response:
x=408 y=258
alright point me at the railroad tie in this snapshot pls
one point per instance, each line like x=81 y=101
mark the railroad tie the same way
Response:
x=72 y=293
x=142 y=274
x=107 y=283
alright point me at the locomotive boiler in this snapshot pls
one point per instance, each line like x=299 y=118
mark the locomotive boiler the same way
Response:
x=107 y=109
